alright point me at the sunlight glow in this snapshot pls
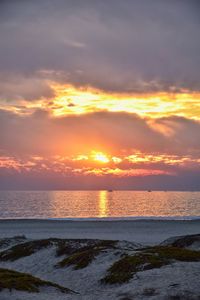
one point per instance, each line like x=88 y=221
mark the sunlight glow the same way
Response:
x=72 y=100
x=136 y=164
x=100 y=157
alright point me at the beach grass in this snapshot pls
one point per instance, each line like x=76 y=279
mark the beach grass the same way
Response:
x=24 y=249
x=149 y=258
x=83 y=256
x=10 y=279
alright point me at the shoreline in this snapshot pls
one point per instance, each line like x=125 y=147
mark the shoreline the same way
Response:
x=144 y=231
x=108 y=219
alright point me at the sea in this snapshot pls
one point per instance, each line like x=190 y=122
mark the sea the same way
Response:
x=99 y=205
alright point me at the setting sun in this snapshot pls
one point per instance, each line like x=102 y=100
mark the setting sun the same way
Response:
x=100 y=157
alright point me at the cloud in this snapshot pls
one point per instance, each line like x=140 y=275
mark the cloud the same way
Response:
x=112 y=48
x=41 y=151
x=111 y=132
x=45 y=180
x=139 y=45
x=15 y=88
x=114 y=133
x=182 y=132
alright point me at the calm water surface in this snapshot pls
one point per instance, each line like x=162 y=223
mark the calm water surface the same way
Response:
x=97 y=204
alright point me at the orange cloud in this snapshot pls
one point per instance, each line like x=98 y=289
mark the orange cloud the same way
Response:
x=125 y=173
x=139 y=164
x=72 y=100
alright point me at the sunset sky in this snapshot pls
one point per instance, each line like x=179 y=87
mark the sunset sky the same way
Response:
x=100 y=94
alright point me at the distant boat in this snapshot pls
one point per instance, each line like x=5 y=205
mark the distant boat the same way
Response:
x=110 y=191
x=149 y=191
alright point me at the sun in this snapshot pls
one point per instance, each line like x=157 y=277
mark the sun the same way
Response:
x=100 y=157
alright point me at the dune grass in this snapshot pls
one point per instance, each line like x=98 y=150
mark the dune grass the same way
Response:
x=149 y=258
x=5 y=242
x=186 y=241
x=83 y=256
x=174 y=253
x=80 y=260
x=10 y=279
x=25 y=249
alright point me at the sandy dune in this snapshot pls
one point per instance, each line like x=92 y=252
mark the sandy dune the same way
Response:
x=82 y=265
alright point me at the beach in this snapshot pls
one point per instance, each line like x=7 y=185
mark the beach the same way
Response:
x=144 y=231
x=93 y=259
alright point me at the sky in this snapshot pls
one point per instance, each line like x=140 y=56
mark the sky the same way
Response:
x=100 y=94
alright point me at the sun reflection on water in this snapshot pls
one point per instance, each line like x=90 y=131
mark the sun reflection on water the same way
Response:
x=103 y=204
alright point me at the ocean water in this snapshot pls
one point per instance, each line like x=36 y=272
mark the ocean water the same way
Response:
x=98 y=204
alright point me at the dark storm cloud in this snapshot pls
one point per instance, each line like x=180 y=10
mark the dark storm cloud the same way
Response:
x=114 y=45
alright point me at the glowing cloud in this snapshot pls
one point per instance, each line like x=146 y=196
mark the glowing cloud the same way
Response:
x=72 y=100
x=100 y=157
